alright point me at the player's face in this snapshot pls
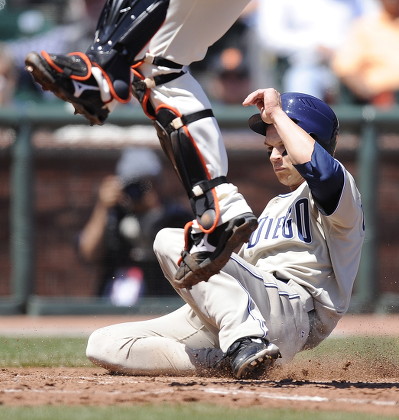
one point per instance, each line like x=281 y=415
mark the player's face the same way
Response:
x=282 y=166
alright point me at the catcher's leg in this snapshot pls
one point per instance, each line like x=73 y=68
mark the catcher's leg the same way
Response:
x=95 y=81
x=191 y=138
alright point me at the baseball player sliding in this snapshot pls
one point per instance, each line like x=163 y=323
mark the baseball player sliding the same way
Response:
x=288 y=285
x=143 y=48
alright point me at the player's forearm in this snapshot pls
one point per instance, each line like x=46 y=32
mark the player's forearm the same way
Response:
x=299 y=144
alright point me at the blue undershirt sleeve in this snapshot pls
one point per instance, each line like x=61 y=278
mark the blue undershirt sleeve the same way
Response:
x=325 y=177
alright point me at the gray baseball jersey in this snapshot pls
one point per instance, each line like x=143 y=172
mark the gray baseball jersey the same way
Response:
x=296 y=241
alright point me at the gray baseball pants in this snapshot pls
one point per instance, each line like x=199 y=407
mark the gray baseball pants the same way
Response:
x=240 y=301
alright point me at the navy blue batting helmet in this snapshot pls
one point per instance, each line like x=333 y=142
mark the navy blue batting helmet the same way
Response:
x=310 y=113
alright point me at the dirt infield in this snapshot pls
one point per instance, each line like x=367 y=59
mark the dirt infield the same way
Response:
x=327 y=389
x=344 y=385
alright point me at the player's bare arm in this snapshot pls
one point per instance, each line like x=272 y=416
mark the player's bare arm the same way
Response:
x=298 y=144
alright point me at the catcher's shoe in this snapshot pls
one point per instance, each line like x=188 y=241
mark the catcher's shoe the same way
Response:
x=209 y=253
x=73 y=78
x=251 y=357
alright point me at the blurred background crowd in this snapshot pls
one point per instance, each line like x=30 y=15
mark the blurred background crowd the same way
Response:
x=98 y=207
x=339 y=50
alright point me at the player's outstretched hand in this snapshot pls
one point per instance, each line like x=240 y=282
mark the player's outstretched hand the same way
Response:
x=266 y=100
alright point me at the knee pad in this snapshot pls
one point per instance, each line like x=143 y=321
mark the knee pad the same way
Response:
x=124 y=28
x=141 y=86
x=180 y=147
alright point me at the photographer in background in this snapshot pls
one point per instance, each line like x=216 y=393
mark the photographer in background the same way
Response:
x=119 y=234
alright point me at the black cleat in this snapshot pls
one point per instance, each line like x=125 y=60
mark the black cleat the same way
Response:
x=70 y=78
x=200 y=266
x=251 y=357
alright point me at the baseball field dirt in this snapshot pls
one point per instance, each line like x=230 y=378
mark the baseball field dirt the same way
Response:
x=345 y=384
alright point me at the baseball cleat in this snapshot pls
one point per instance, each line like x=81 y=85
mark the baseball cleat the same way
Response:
x=251 y=357
x=73 y=79
x=200 y=263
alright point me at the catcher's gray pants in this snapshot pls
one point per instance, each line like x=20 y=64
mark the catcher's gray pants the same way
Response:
x=240 y=301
